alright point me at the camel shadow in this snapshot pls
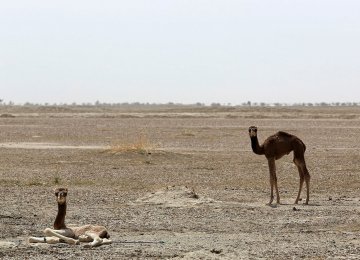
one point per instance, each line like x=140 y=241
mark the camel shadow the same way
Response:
x=292 y=204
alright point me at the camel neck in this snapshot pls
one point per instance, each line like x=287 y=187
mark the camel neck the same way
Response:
x=60 y=217
x=255 y=145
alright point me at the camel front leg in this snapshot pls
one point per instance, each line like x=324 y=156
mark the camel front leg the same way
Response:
x=48 y=240
x=272 y=171
x=61 y=234
x=53 y=236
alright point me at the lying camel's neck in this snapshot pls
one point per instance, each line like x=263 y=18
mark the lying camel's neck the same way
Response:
x=60 y=217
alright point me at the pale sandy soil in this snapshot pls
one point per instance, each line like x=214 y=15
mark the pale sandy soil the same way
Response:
x=201 y=194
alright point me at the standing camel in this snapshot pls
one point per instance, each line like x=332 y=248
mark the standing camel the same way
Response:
x=275 y=147
x=96 y=235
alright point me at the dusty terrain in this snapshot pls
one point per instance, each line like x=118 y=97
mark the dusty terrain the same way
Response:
x=201 y=194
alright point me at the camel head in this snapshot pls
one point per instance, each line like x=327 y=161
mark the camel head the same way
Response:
x=61 y=194
x=253 y=131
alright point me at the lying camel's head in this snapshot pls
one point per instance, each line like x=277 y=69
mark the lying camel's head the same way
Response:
x=61 y=194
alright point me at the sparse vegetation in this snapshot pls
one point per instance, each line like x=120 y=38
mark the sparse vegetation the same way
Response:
x=56 y=175
x=126 y=191
x=141 y=146
x=126 y=105
x=56 y=180
x=34 y=183
x=9 y=183
x=188 y=132
x=7 y=115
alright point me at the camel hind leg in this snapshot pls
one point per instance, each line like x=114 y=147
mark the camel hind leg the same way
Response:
x=299 y=161
x=94 y=240
x=300 y=184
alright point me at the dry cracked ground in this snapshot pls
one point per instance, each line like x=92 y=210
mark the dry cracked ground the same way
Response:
x=200 y=194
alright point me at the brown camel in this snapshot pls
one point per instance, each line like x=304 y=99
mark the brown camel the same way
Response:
x=96 y=235
x=275 y=147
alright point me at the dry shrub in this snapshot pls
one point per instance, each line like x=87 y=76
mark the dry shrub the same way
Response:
x=188 y=132
x=7 y=115
x=141 y=146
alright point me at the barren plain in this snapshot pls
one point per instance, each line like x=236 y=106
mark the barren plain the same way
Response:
x=200 y=194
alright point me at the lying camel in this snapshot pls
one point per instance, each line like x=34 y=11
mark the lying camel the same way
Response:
x=95 y=235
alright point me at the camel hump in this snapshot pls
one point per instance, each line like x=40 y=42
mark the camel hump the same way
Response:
x=295 y=138
x=282 y=133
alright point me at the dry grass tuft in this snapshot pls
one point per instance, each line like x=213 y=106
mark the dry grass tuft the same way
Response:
x=141 y=146
x=188 y=132
x=34 y=183
x=9 y=183
x=56 y=180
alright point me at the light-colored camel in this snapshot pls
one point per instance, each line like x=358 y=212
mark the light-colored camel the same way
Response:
x=95 y=235
x=275 y=147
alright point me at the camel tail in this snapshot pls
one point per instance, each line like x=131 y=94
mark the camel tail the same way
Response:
x=302 y=144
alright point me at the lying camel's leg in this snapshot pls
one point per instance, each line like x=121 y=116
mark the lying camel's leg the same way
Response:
x=48 y=240
x=94 y=240
x=85 y=238
x=62 y=235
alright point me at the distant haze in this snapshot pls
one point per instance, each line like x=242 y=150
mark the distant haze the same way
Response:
x=182 y=51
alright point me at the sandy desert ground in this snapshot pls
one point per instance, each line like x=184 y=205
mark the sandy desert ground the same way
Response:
x=202 y=192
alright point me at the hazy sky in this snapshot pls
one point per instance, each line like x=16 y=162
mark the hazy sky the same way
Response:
x=227 y=51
